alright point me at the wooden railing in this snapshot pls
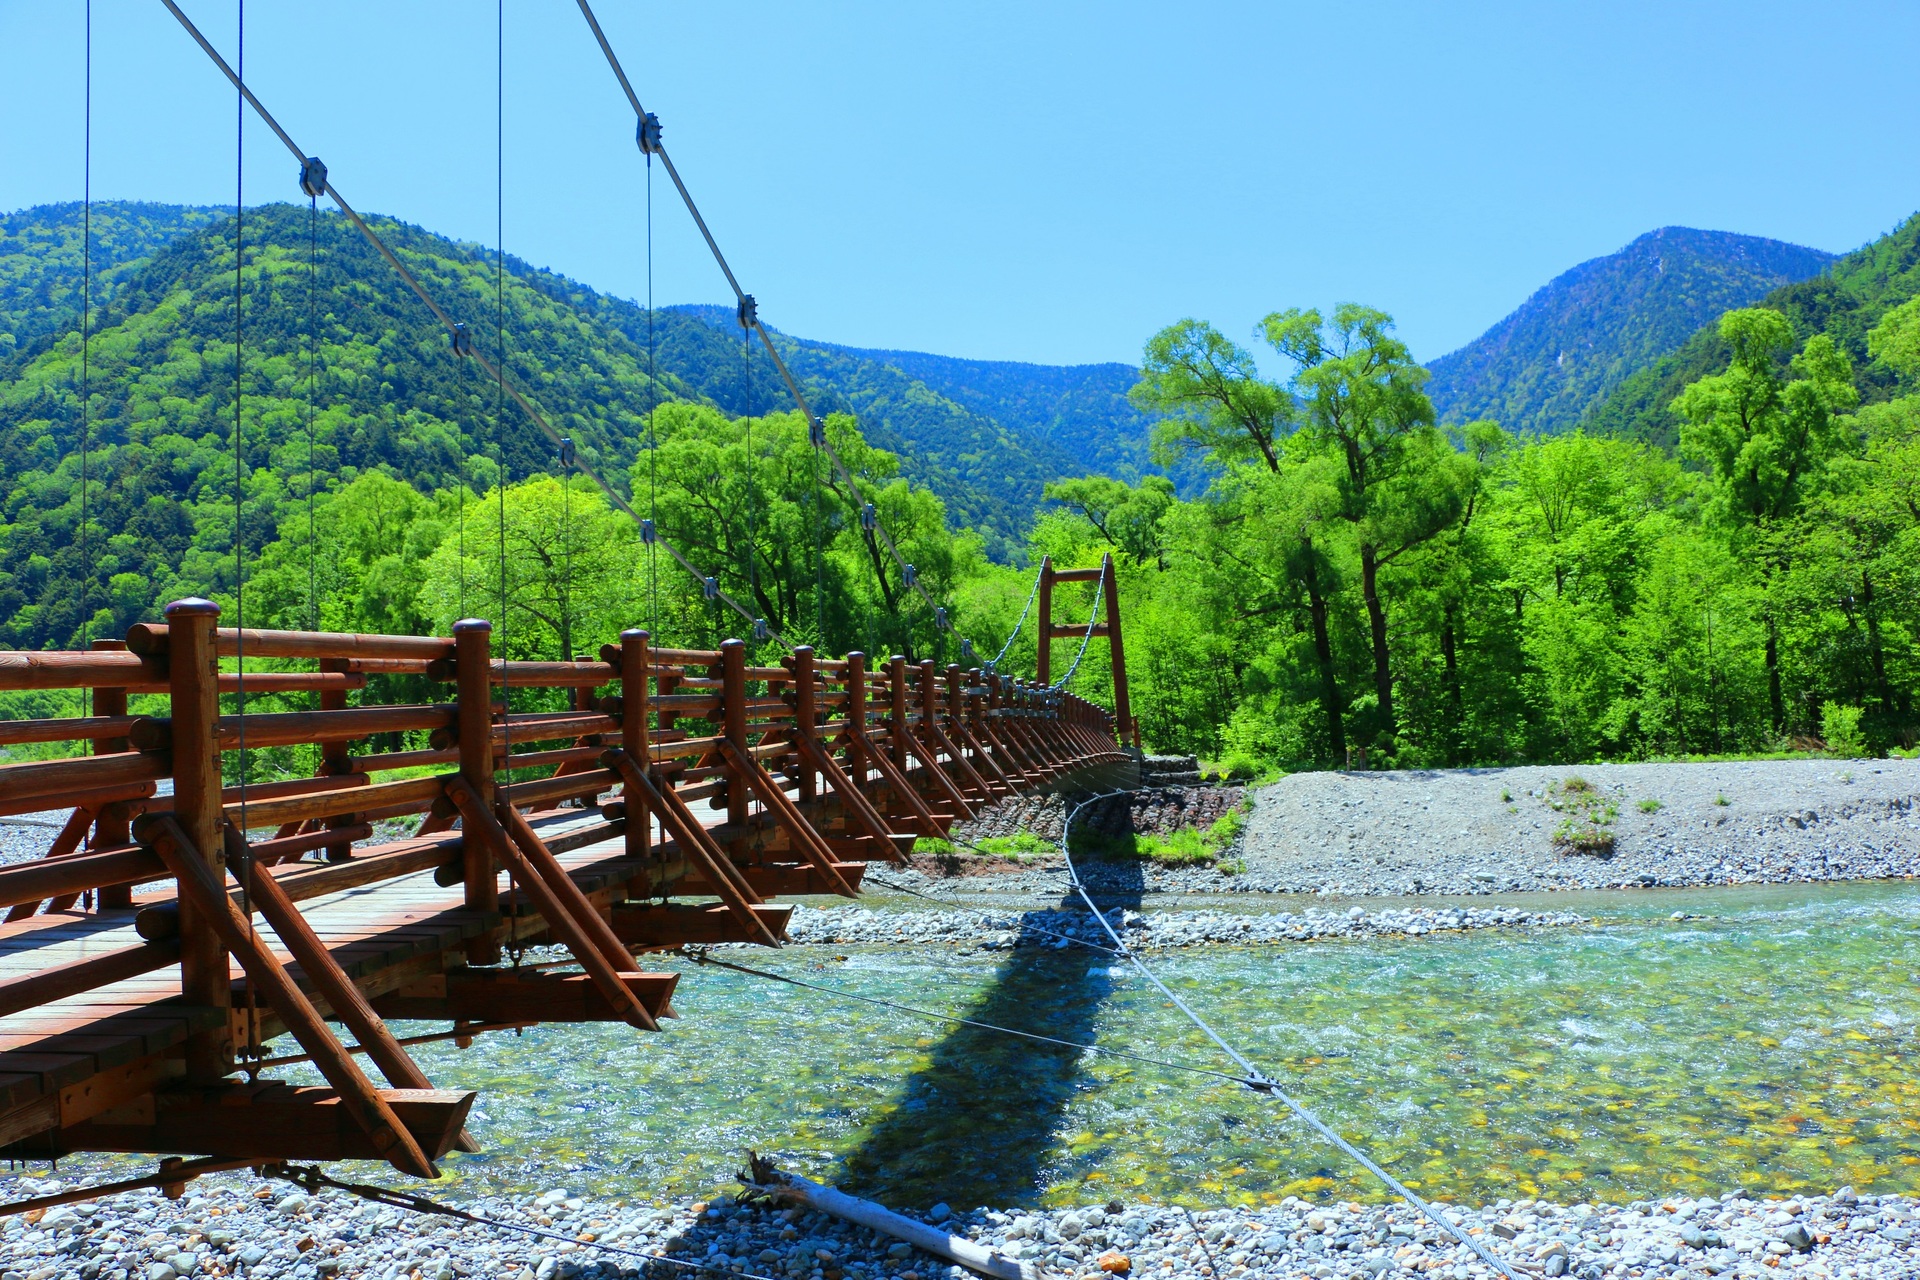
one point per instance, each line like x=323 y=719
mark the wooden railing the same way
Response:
x=812 y=768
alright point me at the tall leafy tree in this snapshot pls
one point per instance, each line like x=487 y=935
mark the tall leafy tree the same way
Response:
x=1767 y=437
x=1360 y=399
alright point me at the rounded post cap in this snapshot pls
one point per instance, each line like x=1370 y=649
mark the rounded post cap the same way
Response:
x=472 y=624
x=732 y=644
x=635 y=633
x=192 y=607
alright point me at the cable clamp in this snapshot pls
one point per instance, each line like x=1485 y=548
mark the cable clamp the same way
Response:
x=313 y=177
x=710 y=588
x=462 y=341
x=760 y=632
x=747 y=312
x=966 y=651
x=816 y=431
x=566 y=451
x=648 y=534
x=909 y=575
x=869 y=518
x=940 y=621
x=647 y=134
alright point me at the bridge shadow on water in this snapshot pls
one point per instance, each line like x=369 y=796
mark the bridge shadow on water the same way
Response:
x=978 y=1124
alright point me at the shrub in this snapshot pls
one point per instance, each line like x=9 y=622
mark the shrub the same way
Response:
x=1840 y=726
x=1651 y=806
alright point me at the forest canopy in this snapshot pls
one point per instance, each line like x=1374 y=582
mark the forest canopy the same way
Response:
x=1336 y=581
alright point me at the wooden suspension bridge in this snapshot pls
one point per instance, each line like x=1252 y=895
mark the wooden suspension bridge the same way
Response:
x=176 y=924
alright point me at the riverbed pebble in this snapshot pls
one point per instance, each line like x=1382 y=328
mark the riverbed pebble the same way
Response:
x=1062 y=929
x=234 y=1226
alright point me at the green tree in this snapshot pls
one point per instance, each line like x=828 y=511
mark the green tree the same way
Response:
x=1402 y=483
x=1766 y=438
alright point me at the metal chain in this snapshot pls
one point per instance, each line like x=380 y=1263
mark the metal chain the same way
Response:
x=1100 y=585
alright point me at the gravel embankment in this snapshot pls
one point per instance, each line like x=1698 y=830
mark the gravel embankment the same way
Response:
x=1477 y=831
x=1453 y=832
x=230 y=1225
x=1004 y=930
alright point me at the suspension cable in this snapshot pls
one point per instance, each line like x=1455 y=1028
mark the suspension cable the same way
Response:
x=1259 y=1082
x=252 y=1049
x=503 y=384
x=313 y=344
x=1093 y=617
x=745 y=303
x=650 y=530
x=311 y=1179
x=86 y=343
x=1032 y=594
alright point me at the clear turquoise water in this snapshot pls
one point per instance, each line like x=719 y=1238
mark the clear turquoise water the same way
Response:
x=1768 y=1048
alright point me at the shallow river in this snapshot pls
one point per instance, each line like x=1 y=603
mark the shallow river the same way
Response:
x=1768 y=1047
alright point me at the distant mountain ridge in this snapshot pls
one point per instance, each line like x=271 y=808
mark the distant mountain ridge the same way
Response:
x=985 y=436
x=1844 y=301
x=1581 y=335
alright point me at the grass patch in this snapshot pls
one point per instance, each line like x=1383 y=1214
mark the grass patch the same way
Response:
x=933 y=845
x=1722 y=800
x=1019 y=847
x=1184 y=848
x=1590 y=813
x=1650 y=806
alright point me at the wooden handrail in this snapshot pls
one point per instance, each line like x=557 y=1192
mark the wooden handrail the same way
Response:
x=149 y=639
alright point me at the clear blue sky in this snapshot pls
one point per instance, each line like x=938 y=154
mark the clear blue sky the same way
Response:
x=1021 y=181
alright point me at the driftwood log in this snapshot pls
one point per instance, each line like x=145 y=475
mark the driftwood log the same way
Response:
x=764 y=1181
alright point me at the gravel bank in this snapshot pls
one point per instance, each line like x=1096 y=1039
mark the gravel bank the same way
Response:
x=1000 y=931
x=234 y=1226
x=1487 y=830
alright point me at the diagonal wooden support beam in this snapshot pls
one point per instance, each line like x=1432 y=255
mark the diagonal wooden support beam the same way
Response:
x=806 y=841
x=945 y=784
x=561 y=885
x=930 y=724
x=697 y=845
x=63 y=844
x=909 y=796
x=390 y=1138
x=851 y=797
x=476 y=821
x=345 y=998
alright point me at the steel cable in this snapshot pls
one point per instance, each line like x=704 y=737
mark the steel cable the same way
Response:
x=1256 y=1080
x=511 y=390
x=751 y=315
x=312 y=1179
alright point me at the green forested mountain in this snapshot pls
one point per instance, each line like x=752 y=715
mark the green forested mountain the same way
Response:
x=387 y=392
x=1845 y=301
x=1590 y=328
x=41 y=266
x=1082 y=410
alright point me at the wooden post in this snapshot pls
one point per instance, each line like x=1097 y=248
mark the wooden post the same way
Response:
x=857 y=718
x=897 y=690
x=634 y=737
x=113 y=828
x=193 y=679
x=336 y=760
x=733 y=710
x=473 y=721
x=1124 y=727
x=805 y=720
x=1043 y=642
